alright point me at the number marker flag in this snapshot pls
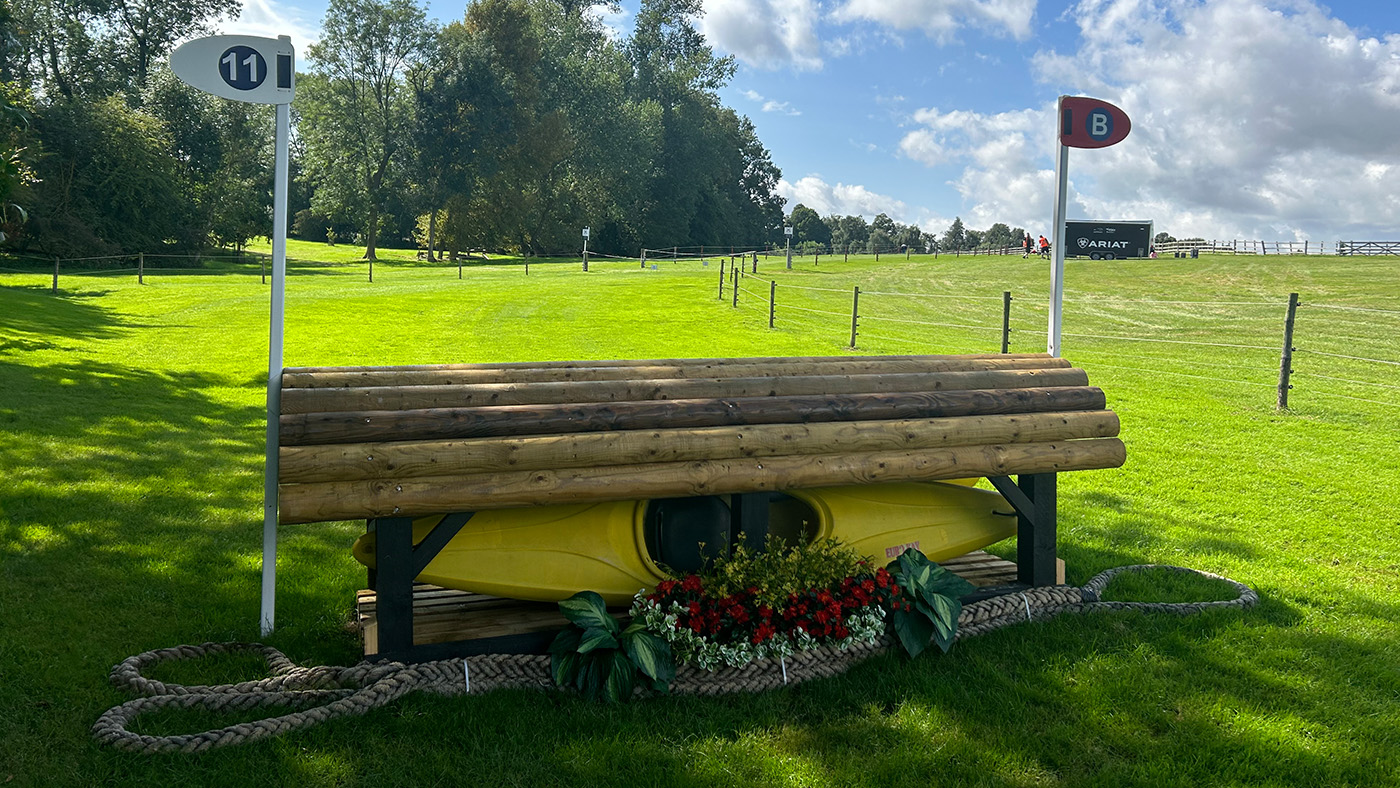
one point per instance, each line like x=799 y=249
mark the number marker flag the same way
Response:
x=1091 y=123
x=259 y=71
x=1083 y=122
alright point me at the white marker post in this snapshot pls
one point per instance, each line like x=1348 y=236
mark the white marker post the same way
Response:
x=259 y=71
x=787 y=231
x=1084 y=123
x=585 y=248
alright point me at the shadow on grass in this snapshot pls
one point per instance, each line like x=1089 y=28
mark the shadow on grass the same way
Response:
x=38 y=311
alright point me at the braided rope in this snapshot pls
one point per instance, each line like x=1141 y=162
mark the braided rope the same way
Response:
x=318 y=694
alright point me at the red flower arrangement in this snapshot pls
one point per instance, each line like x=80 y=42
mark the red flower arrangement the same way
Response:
x=737 y=627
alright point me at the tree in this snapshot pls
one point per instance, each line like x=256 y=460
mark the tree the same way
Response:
x=808 y=226
x=848 y=231
x=955 y=237
x=1162 y=238
x=999 y=236
x=355 y=108
x=146 y=29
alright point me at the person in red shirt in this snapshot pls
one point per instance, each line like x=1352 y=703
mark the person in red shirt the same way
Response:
x=1044 y=247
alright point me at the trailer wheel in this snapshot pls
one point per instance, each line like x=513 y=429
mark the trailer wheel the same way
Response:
x=1108 y=255
x=1094 y=255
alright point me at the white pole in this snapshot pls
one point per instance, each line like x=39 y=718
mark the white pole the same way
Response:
x=274 y=368
x=1057 y=235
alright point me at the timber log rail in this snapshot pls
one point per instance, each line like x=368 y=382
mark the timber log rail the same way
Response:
x=392 y=443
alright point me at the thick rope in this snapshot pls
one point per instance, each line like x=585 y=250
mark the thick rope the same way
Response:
x=318 y=694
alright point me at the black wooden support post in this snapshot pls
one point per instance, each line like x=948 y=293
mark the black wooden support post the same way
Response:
x=855 y=312
x=1006 y=321
x=1285 y=364
x=755 y=262
x=772 y=299
x=734 y=286
x=1033 y=498
x=721 y=280
x=140 y=268
x=393 y=583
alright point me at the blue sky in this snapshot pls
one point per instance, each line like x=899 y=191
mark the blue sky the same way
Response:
x=1258 y=119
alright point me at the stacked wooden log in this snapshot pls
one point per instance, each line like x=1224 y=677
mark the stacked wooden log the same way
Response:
x=361 y=442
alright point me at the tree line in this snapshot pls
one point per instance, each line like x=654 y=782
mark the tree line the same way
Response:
x=510 y=129
x=812 y=232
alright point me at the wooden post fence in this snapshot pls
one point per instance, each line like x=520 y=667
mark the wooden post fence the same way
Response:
x=1285 y=365
x=855 y=312
x=772 y=301
x=1005 y=321
x=140 y=268
x=55 y=275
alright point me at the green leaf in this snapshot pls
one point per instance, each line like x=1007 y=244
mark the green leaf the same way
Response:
x=913 y=629
x=566 y=641
x=650 y=654
x=948 y=583
x=618 y=686
x=590 y=679
x=587 y=609
x=594 y=638
x=564 y=669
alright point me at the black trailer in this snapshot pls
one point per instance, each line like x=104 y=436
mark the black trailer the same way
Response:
x=1107 y=240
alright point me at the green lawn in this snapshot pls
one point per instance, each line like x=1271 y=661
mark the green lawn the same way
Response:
x=130 y=519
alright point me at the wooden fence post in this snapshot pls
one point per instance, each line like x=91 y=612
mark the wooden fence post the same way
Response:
x=140 y=268
x=721 y=280
x=55 y=275
x=772 y=301
x=1005 y=321
x=855 y=312
x=734 y=287
x=1285 y=365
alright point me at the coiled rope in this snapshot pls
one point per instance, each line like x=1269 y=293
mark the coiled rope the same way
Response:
x=323 y=693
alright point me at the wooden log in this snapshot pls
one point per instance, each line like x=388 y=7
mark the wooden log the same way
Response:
x=343 y=378
x=410 y=459
x=769 y=360
x=302 y=503
x=596 y=391
x=304 y=429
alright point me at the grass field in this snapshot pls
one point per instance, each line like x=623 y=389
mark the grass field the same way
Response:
x=130 y=519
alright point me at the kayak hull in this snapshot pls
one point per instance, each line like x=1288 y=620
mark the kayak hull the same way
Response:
x=549 y=553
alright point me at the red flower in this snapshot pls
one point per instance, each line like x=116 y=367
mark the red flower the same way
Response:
x=691 y=583
x=666 y=586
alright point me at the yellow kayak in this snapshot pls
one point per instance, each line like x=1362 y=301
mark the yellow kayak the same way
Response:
x=549 y=553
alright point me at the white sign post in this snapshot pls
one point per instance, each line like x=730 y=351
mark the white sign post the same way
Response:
x=787 y=231
x=585 y=249
x=260 y=71
x=1083 y=123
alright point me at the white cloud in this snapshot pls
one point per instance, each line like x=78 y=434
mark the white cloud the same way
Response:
x=770 y=105
x=841 y=199
x=767 y=34
x=1251 y=119
x=270 y=19
x=941 y=19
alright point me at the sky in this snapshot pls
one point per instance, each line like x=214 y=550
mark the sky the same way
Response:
x=1274 y=120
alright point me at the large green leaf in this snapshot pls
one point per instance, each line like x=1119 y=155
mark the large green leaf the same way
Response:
x=650 y=654
x=913 y=629
x=594 y=638
x=564 y=668
x=566 y=642
x=587 y=609
x=619 y=682
x=948 y=583
x=944 y=616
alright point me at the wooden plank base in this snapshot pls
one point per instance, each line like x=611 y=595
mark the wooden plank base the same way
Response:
x=445 y=615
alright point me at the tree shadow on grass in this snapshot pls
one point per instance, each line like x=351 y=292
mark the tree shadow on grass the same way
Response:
x=130 y=519
x=43 y=316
